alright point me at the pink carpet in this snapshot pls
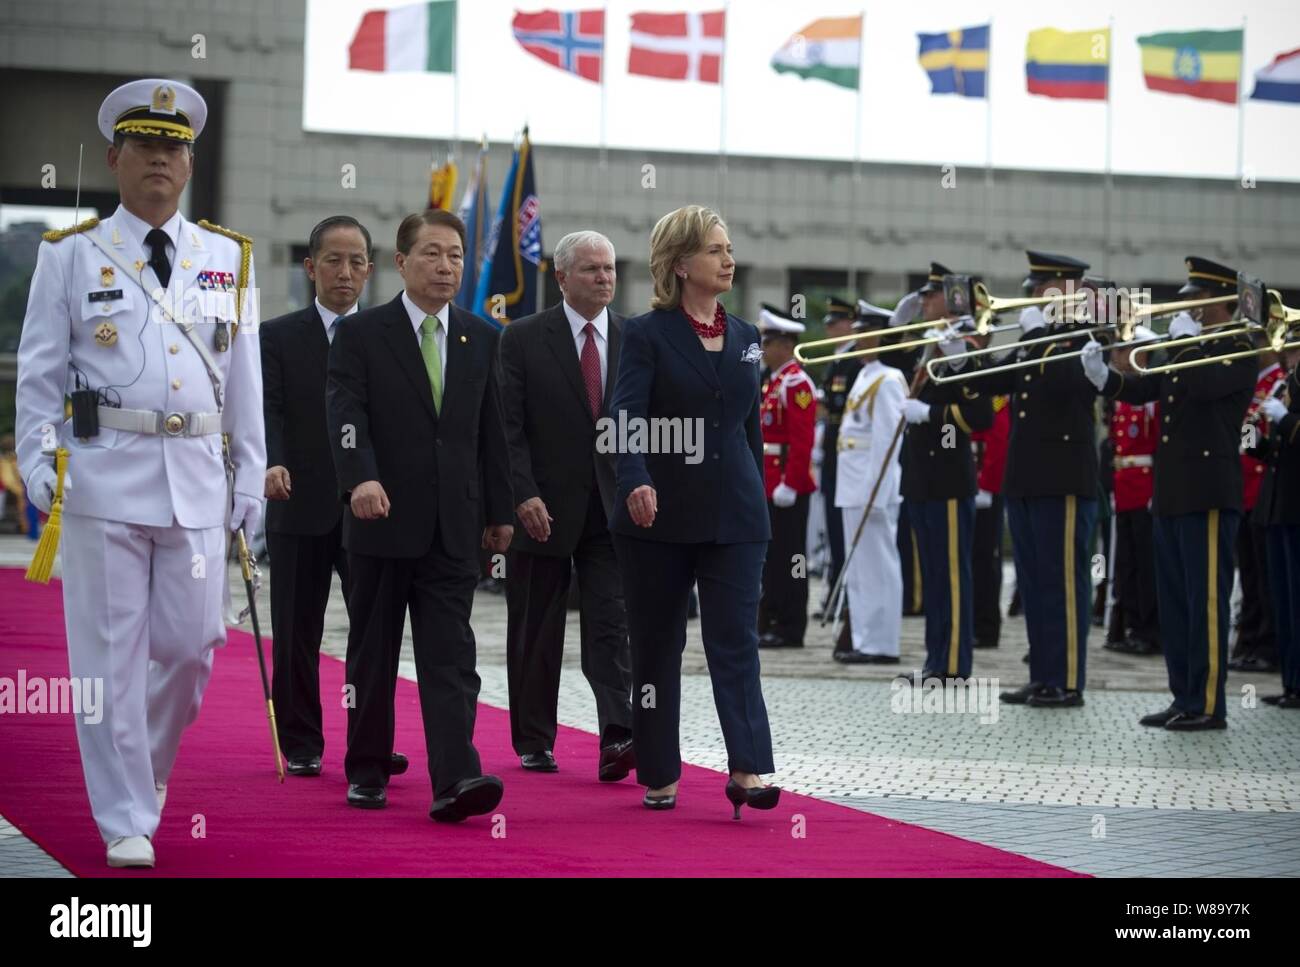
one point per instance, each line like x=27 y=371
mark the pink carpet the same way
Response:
x=565 y=824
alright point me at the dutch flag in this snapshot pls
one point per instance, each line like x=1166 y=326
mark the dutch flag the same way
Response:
x=1280 y=80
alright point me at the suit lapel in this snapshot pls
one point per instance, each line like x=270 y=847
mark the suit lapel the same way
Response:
x=317 y=342
x=679 y=333
x=559 y=340
x=611 y=368
x=460 y=352
x=732 y=348
x=401 y=339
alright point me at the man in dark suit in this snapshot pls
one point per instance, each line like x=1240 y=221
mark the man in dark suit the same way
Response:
x=304 y=519
x=557 y=375
x=414 y=415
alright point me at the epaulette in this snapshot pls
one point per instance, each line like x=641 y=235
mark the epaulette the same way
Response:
x=228 y=232
x=58 y=234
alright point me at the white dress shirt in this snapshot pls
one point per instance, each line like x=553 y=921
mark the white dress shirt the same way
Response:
x=327 y=316
x=578 y=325
x=440 y=334
x=139 y=229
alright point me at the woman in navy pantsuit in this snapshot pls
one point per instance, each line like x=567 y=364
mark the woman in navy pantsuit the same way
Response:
x=693 y=517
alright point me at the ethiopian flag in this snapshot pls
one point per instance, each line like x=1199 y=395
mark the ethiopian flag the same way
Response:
x=421 y=37
x=1202 y=63
x=828 y=49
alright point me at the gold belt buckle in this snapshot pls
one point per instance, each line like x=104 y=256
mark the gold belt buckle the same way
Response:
x=174 y=424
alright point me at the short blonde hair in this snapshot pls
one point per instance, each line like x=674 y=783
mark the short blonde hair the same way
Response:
x=677 y=235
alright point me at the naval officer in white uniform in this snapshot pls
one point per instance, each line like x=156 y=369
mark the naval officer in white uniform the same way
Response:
x=873 y=575
x=146 y=504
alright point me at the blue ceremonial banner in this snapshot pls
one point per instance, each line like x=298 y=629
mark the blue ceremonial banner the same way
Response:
x=507 y=280
x=474 y=213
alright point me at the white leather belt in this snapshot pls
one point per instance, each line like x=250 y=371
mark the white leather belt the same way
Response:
x=772 y=449
x=157 y=422
x=1141 y=460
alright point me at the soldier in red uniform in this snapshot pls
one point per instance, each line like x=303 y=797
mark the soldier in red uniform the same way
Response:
x=1134 y=432
x=789 y=414
x=1256 y=646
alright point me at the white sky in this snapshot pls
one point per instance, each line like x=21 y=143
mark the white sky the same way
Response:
x=500 y=87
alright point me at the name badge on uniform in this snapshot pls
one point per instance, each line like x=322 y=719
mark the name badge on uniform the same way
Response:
x=106 y=295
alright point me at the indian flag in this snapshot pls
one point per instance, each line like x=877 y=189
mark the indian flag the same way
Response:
x=1201 y=63
x=829 y=49
x=421 y=37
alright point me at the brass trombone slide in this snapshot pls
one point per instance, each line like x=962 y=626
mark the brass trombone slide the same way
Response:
x=950 y=376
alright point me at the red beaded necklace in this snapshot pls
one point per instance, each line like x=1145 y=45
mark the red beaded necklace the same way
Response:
x=712 y=329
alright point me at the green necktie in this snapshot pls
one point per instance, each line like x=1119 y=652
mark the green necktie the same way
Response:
x=432 y=360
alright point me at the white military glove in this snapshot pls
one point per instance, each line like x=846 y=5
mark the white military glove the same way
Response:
x=983 y=500
x=1094 y=367
x=784 y=495
x=246 y=513
x=1031 y=318
x=907 y=309
x=914 y=411
x=1273 y=409
x=1184 y=325
x=40 y=488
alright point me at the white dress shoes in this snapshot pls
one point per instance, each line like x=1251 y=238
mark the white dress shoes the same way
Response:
x=130 y=851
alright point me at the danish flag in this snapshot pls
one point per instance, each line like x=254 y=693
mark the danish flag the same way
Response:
x=678 y=46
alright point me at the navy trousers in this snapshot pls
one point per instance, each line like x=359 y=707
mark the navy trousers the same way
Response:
x=945 y=531
x=910 y=558
x=1194 y=554
x=1051 y=538
x=657 y=582
x=1283 y=541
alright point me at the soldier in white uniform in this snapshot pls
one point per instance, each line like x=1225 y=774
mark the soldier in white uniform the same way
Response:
x=146 y=501
x=873 y=577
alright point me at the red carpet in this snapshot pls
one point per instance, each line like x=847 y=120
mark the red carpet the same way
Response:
x=565 y=824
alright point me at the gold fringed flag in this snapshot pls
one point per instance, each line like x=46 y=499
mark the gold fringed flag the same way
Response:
x=442 y=185
x=43 y=560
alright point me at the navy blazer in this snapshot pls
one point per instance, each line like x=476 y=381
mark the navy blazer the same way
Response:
x=665 y=372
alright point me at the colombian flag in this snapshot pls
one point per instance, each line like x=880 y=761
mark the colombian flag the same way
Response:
x=957 y=61
x=1202 y=63
x=1068 y=64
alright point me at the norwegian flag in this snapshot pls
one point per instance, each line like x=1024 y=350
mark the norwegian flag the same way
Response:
x=678 y=46
x=572 y=40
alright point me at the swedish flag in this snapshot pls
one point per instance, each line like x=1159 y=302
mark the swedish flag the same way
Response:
x=957 y=61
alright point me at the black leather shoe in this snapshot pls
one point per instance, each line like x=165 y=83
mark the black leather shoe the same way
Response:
x=400 y=764
x=983 y=644
x=1254 y=663
x=659 y=802
x=1290 y=700
x=616 y=761
x=882 y=659
x=1272 y=699
x=1115 y=644
x=303 y=765
x=1055 y=698
x=851 y=658
x=760 y=797
x=367 y=797
x=469 y=797
x=1158 y=720
x=773 y=640
x=1019 y=696
x=1195 y=723
x=539 y=761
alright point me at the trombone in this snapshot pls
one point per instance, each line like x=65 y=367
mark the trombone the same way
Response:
x=960 y=294
x=1263 y=313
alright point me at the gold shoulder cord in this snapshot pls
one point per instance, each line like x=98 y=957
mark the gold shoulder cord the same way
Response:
x=58 y=234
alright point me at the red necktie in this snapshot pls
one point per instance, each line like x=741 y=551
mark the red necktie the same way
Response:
x=591 y=371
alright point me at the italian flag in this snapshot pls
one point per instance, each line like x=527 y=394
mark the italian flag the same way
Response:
x=828 y=49
x=421 y=37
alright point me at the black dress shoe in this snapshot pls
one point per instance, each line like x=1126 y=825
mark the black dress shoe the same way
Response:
x=1055 y=698
x=303 y=765
x=399 y=764
x=1195 y=723
x=469 y=797
x=983 y=644
x=659 y=802
x=1115 y=644
x=1254 y=663
x=852 y=658
x=882 y=659
x=1019 y=696
x=539 y=761
x=616 y=761
x=1159 y=719
x=760 y=797
x=1289 y=700
x=773 y=640
x=1273 y=699
x=367 y=797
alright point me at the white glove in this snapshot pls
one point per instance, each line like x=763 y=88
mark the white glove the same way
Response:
x=983 y=500
x=953 y=344
x=784 y=495
x=1184 y=325
x=1094 y=367
x=40 y=488
x=1273 y=409
x=246 y=513
x=1031 y=318
x=908 y=308
x=914 y=411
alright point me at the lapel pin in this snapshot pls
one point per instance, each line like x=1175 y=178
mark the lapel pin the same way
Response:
x=194 y=240
x=106 y=276
x=463 y=339
x=139 y=265
x=186 y=263
x=117 y=237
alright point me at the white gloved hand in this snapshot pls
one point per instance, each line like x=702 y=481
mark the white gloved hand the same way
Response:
x=1094 y=367
x=40 y=488
x=1031 y=318
x=1184 y=325
x=1273 y=409
x=983 y=500
x=784 y=495
x=914 y=411
x=246 y=512
x=907 y=309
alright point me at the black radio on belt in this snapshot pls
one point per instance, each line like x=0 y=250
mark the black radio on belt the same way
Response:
x=85 y=413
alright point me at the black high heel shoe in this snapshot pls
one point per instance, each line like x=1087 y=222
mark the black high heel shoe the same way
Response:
x=762 y=797
x=659 y=802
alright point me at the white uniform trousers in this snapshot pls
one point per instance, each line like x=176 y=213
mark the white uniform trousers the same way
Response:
x=142 y=606
x=874 y=581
